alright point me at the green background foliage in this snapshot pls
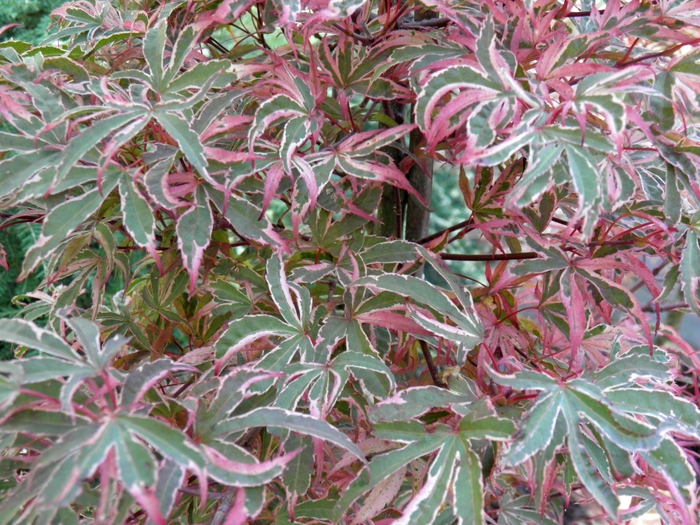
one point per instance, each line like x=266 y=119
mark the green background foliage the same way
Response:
x=32 y=15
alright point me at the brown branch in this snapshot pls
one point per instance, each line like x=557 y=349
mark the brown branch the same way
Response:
x=494 y=257
x=665 y=52
x=360 y=38
x=433 y=22
x=664 y=307
x=581 y=14
x=227 y=500
x=431 y=365
x=195 y=491
x=451 y=229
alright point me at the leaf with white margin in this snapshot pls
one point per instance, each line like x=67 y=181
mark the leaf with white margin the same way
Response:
x=137 y=213
x=690 y=271
x=279 y=418
x=65 y=218
x=245 y=330
x=280 y=291
x=194 y=230
x=414 y=402
x=26 y=333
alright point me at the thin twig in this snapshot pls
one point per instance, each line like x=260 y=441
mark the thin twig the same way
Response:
x=581 y=14
x=665 y=52
x=431 y=365
x=227 y=497
x=494 y=257
x=194 y=491
x=432 y=22
x=664 y=307
x=456 y=227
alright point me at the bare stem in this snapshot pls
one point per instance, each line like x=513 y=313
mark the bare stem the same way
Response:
x=431 y=365
x=495 y=257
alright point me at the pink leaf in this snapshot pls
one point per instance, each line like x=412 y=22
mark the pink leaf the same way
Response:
x=228 y=157
x=237 y=515
x=576 y=312
x=148 y=501
x=3 y=258
x=393 y=321
x=249 y=469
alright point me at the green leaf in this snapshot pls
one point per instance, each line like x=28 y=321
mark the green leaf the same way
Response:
x=272 y=110
x=198 y=76
x=189 y=142
x=138 y=217
x=670 y=460
x=247 y=329
x=690 y=271
x=143 y=377
x=280 y=291
x=588 y=474
x=413 y=402
x=246 y=219
x=322 y=509
x=297 y=475
x=427 y=294
x=598 y=458
x=63 y=219
x=10 y=385
x=469 y=489
x=170 y=442
x=229 y=464
x=425 y=505
x=186 y=40
x=39 y=369
x=627 y=432
x=230 y=392
x=662 y=104
x=25 y=333
x=584 y=174
x=538 y=431
x=525 y=380
x=135 y=463
x=477 y=426
x=672 y=196
x=88 y=334
x=279 y=418
x=447 y=80
x=390 y=252
x=194 y=230
x=42 y=423
x=631 y=365
x=17 y=170
x=678 y=414
x=170 y=478
x=382 y=466
x=153 y=49
x=91 y=137
x=538 y=175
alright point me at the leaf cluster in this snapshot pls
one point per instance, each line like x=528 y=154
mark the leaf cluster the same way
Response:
x=231 y=322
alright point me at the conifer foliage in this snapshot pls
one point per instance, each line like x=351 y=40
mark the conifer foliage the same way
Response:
x=253 y=176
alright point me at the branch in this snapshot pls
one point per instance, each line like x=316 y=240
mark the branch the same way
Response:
x=665 y=52
x=665 y=307
x=432 y=22
x=451 y=229
x=431 y=365
x=194 y=491
x=581 y=14
x=495 y=257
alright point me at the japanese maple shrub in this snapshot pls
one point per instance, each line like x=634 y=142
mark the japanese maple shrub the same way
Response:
x=287 y=342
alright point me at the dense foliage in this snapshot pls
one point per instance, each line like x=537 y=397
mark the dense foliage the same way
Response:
x=232 y=323
x=27 y=20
